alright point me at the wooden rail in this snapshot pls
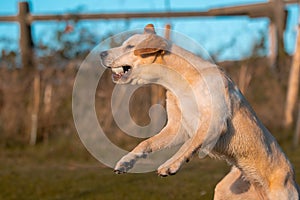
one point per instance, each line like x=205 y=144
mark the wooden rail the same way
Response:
x=252 y=10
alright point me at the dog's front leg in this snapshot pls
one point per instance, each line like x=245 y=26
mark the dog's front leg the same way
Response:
x=160 y=141
x=170 y=135
x=171 y=166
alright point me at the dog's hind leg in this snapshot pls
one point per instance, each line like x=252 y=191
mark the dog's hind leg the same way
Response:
x=234 y=186
x=283 y=189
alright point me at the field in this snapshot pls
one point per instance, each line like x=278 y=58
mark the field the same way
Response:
x=64 y=170
x=69 y=172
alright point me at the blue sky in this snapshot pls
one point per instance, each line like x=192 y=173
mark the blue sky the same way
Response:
x=237 y=34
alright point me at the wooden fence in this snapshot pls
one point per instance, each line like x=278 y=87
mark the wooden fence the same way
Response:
x=274 y=10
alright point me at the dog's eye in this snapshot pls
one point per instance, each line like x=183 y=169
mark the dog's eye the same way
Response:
x=129 y=46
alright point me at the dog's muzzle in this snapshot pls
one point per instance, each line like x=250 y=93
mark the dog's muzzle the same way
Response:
x=117 y=72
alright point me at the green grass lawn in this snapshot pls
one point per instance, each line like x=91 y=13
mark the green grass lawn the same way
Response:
x=60 y=171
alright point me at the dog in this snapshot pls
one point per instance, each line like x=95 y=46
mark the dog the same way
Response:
x=260 y=169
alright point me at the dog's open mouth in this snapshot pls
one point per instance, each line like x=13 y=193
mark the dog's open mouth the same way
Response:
x=119 y=72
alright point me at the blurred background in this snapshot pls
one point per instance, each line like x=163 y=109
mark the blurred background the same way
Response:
x=42 y=45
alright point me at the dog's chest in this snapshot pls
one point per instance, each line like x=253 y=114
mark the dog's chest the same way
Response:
x=187 y=110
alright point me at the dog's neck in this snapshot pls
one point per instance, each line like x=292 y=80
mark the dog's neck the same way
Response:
x=184 y=57
x=182 y=62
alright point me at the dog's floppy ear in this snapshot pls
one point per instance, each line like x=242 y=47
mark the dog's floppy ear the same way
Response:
x=152 y=43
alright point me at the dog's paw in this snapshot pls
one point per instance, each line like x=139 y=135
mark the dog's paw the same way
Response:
x=166 y=170
x=127 y=162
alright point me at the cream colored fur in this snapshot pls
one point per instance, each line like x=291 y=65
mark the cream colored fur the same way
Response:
x=260 y=168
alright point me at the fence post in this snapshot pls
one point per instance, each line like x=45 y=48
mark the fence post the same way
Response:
x=293 y=86
x=36 y=108
x=26 y=47
x=297 y=132
x=276 y=30
x=26 y=43
x=273 y=45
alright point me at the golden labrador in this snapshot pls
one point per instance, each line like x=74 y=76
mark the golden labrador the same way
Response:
x=222 y=124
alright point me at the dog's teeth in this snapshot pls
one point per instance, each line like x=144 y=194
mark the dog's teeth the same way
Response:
x=117 y=70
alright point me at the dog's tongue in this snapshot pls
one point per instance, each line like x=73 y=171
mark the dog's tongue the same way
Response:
x=116 y=76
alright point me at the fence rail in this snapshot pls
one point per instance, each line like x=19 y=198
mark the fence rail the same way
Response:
x=274 y=10
x=252 y=10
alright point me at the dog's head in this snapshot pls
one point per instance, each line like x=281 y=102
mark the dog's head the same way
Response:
x=138 y=50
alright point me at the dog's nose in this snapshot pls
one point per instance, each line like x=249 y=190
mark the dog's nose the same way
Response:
x=103 y=54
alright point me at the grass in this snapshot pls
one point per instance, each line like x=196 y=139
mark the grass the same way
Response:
x=61 y=170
